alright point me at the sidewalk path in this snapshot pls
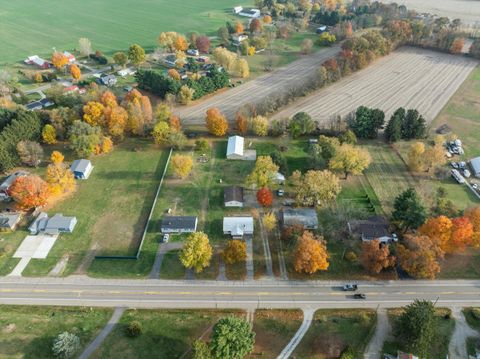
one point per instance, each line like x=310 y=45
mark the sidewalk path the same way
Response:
x=297 y=338
x=17 y=271
x=457 y=348
x=382 y=330
x=249 y=261
x=162 y=249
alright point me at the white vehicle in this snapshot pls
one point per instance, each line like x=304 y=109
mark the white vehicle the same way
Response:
x=462 y=165
x=280 y=193
x=165 y=238
x=454 y=164
x=193 y=52
x=475 y=186
x=466 y=173
x=458 y=177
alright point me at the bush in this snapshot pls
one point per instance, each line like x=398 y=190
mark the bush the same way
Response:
x=65 y=345
x=351 y=256
x=134 y=329
x=98 y=57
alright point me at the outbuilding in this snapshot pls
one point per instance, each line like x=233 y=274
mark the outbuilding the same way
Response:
x=81 y=168
x=475 y=165
x=233 y=196
x=9 y=221
x=306 y=217
x=238 y=227
x=235 y=148
x=252 y=13
x=179 y=224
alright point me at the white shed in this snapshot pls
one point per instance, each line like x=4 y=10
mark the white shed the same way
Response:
x=237 y=9
x=81 y=168
x=235 y=148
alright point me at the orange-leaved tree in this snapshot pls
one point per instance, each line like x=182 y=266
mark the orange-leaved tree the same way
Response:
x=75 y=72
x=310 y=254
x=180 y=43
x=238 y=27
x=376 y=257
x=462 y=233
x=264 y=197
x=241 y=122
x=439 y=229
x=29 y=192
x=473 y=215
x=174 y=123
x=236 y=251
x=457 y=45
x=59 y=60
x=418 y=255
x=216 y=122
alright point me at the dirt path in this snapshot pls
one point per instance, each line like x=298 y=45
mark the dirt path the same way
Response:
x=457 y=348
x=382 y=330
x=297 y=338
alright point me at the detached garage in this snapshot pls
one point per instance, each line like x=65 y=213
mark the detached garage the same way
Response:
x=81 y=169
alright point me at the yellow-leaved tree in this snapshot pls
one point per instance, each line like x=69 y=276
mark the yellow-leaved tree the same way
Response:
x=197 y=252
x=216 y=123
x=350 y=160
x=75 y=72
x=59 y=176
x=49 y=135
x=260 y=125
x=310 y=254
x=270 y=221
x=93 y=113
x=263 y=174
x=182 y=165
x=236 y=251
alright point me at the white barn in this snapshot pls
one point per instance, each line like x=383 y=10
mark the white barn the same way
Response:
x=235 y=148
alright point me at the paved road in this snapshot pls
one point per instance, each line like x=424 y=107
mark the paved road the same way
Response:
x=152 y=293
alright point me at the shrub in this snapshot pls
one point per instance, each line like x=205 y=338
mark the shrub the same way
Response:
x=351 y=256
x=133 y=329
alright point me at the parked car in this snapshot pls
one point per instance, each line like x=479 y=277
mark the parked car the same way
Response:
x=312 y=141
x=466 y=173
x=462 y=165
x=454 y=164
x=193 y=52
x=280 y=193
x=475 y=186
x=350 y=287
x=165 y=238
x=128 y=88
x=289 y=202
x=359 y=296
x=202 y=59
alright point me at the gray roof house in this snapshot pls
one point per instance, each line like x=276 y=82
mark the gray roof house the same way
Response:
x=238 y=227
x=81 y=168
x=307 y=217
x=9 y=221
x=375 y=227
x=108 y=80
x=52 y=226
x=475 y=165
x=179 y=224
x=233 y=196
x=5 y=185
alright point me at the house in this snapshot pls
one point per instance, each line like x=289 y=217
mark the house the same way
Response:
x=375 y=227
x=9 y=221
x=52 y=226
x=279 y=178
x=235 y=148
x=475 y=166
x=125 y=72
x=252 y=13
x=233 y=196
x=81 y=169
x=38 y=105
x=237 y=9
x=170 y=60
x=37 y=61
x=238 y=227
x=5 y=185
x=179 y=224
x=306 y=217
x=237 y=39
x=70 y=57
x=108 y=79
x=321 y=29
x=70 y=89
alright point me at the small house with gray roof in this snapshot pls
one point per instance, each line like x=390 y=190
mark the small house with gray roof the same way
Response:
x=306 y=217
x=179 y=224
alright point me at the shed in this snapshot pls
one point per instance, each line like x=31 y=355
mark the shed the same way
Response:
x=108 y=80
x=235 y=148
x=238 y=227
x=9 y=221
x=475 y=165
x=252 y=13
x=237 y=39
x=81 y=168
x=179 y=224
x=307 y=217
x=237 y=9
x=125 y=72
x=233 y=196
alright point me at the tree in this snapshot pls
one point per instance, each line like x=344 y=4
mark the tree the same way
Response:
x=239 y=27
x=197 y=252
x=462 y=234
x=201 y=350
x=393 y=131
x=306 y=46
x=317 y=188
x=475 y=49
x=175 y=124
x=60 y=178
x=29 y=192
x=202 y=146
x=264 y=197
x=163 y=112
x=418 y=256
x=140 y=114
x=329 y=147
x=203 y=43
x=216 y=122
x=260 y=126
x=439 y=230
x=473 y=214
x=49 y=135
x=444 y=206
x=310 y=254
x=350 y=160
x=416 y=327
x=182 y=165
x=180 y=43
x=270 y=221
x=301 y=124
x=367 y=122
x=232 y=338
x=30 y=153
x=225 y=58
x=66 y=345
x=84 y=138
x=136 y=54
x=59 y=60
x=413 y=125
x=348 y=137
x=236 y=251
x=409 y=211
x=376 y=257
x=267 y=19
x=434 y=156
x=263 y=173
x=326 y=39
x=457 y=45
x=256 y=26
x=120 y=58
x=75 y=72
x=241 y=68
x=185 y=95
x=93 y=113
x=85 y=46
x=241 y=123
x=416 y=156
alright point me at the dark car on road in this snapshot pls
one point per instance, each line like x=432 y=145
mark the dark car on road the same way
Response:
x=359 y=296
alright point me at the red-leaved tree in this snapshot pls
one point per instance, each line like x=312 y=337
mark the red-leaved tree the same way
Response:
x=264 y=197
x=29 y=192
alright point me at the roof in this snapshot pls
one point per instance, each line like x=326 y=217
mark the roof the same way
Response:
x=233 y=193
x=402 y=355
x=475 y=164
x=238 y=226
x=35 y=59
x=9 y=180
x=53 y=225
x=304 y=216
x=81 y=165
x=250 y=11
x=235 y=145
x=9 y=220
x=179 y=222
x=39 y=222
x=372 y=227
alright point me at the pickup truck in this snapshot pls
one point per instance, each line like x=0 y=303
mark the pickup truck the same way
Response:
x=350 y=287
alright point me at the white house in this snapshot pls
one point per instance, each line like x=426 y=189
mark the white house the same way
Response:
x=126 y=72
x=81 y=168
x=238 y=227
x=252 y=13
x=237 y=39
x=38 y=61
x=70 y=57
x=235 y=148
x=237 y=9
x=233 y=196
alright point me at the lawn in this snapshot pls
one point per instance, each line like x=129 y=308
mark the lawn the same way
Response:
x=333 y=331
x=166 y=334
x=472 y=315
x=444 y=330
x=26 y=27
x=112 y=208
x=28 y=332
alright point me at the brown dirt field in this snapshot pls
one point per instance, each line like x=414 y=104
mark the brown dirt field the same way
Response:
x=409 y=77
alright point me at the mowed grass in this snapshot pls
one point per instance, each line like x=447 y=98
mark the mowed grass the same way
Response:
x=28 y=332
x=332 y=331
x=30 y=27
x=112 y=208
x=166 y=333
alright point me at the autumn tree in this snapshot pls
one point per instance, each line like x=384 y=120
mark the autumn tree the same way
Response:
x=269 y=221
x=29 y=192
x=438 y=229
x=75 y=72
x=180 y=43
x=216 y=122
x=241 y=68
x=197 y=252
x=239 y=27
x=235 y=252
x=93 y=113
x=317 y=188
x=140 y=112
x=473 y=214
x=59 y=60
x=185 y=95
x=434 y=156
x=49 y=135
x=263 y=174
x=225 y=58
x=418 y=255
x=85 y=46
x=30 y=153
x=84 y=138
x=136 y=54
x=167 y=40
x=120 y=58
x=182 y=165
x=264 y=197
x=376 y=257
x=306 y=46
x=116 y=121
x=415 y=156
x=350 y=160
x=203 y=43
x=267 y=19
x=260 y=126
x=175 y=123
x=310 y=254
x=241 y=123
x=60 y=178
x=256 y=26
x=409 y=211
x=462 y=234
x=457 y=45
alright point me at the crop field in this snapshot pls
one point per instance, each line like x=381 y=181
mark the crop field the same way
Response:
x=30 y=27
x=409 y=77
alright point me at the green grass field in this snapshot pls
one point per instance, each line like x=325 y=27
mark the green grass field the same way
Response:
x=30 y=27
x=28 y=332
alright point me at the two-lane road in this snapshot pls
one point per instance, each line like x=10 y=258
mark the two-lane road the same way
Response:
x=85 y=291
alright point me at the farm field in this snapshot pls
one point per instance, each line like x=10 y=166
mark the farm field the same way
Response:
x=409 y=77
x=30 y=27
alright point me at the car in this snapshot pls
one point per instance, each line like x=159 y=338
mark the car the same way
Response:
x=359 y=296
x=202 y=59
x=475 y=186
x=191 y=135
x=462 y=165
x=165 y=238
x=280 y=193
x=350 y=287
x=454 y=164
x=288 y=202
x=128 y=88
x=193 y=52
x=466 y=173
